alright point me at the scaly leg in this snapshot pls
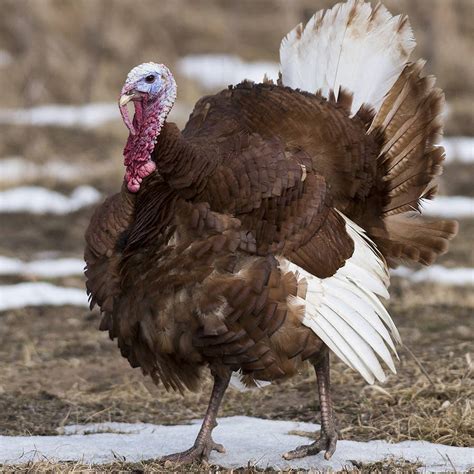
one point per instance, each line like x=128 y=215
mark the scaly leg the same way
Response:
x=204 y=443
x=328 y=440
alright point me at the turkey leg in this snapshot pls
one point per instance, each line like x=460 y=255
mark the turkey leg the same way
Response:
x=328 y=439
x=204 y=443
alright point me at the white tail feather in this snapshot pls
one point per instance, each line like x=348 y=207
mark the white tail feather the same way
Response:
x=353 y=46
x=344 y=311
x=237 y=383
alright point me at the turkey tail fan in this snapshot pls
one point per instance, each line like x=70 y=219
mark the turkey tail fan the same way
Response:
x=365 y=51
x=351 y=46
x=409 y=124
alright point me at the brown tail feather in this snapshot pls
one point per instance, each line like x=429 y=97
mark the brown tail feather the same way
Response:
x=410 y=236
x=410 y=123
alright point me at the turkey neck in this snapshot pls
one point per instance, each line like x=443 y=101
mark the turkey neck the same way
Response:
x=148 y=122
x=180 y=164
x=181 y=173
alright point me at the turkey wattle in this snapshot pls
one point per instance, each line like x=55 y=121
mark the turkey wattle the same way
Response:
x=260 y=236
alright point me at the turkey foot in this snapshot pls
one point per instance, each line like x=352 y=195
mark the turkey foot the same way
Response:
x=204 y=443
x=327 y=443
x=328 y=440
x=198 y=453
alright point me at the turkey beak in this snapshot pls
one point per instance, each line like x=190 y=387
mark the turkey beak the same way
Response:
x=123 y=101
x=126 y=98
x=127 y=94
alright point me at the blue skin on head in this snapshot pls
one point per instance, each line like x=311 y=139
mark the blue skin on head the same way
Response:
x=151 y=84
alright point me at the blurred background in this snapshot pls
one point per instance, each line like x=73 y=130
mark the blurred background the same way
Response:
x=79 y=52
x=62 y=65
x=64 y=51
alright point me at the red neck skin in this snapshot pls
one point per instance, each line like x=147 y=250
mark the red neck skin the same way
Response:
x=147 y=122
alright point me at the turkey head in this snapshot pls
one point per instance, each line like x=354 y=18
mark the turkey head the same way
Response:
x=152 y=89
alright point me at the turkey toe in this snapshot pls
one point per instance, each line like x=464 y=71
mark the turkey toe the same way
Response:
x=198 y=453
x=325 y=443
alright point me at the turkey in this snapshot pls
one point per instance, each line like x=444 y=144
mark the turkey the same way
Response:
x=259 y=238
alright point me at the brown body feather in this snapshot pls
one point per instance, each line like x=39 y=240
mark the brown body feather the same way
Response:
x=185 y=271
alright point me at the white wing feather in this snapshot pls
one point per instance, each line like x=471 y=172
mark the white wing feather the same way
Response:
x=344 y=311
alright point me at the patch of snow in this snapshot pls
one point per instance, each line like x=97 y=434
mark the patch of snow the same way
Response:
x=454 y=207
x=248 y=440
x=438 y=274
x=459 y=149
x=39 y=294
x=5 y=58
x=84 y=116
x=87 y=116
x=51 y=268
x=16 y=168
x=220 y=70
x=38 y=200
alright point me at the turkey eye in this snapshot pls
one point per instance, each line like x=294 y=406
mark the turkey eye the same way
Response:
x=150 y=78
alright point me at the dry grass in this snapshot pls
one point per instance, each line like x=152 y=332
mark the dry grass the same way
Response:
x=387 y=466
x=413 y=408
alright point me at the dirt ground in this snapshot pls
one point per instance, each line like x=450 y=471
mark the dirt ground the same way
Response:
x=58 y=369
